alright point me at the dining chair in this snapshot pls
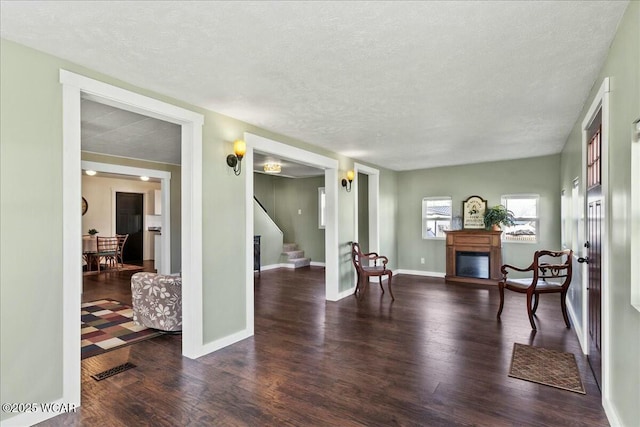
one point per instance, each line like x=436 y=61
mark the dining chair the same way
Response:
x=107 y=249
x=550 y=273
x=364 y=269
x=122 y=240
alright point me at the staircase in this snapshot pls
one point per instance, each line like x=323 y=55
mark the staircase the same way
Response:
x=295 y=256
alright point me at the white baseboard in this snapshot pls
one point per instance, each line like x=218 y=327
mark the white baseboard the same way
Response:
x=223 y=342
x=576 y=327
x=272 y=267
x=421 y=273
x=611 y=413
x=345 y=294
x=288 y=265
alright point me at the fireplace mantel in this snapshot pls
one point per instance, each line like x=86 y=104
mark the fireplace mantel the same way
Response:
x=474 y=241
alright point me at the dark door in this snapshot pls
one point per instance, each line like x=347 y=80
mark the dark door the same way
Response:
x=594 y=252
x=130 y=220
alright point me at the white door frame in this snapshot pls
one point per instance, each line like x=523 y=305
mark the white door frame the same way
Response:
x=374 y=204
x=75 y=86
x=600 y=103
x=165 y=180
x=330 y=166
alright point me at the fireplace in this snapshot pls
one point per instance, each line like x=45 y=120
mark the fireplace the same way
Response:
x=472 y=264
x=474 y=256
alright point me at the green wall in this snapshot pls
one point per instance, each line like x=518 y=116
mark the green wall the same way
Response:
x=270 y=237
x=539 y=175
x=174 y=186
x=263 y=191
x=284 y=198
x=31 y=201
x=622 y=66
x=363 y=212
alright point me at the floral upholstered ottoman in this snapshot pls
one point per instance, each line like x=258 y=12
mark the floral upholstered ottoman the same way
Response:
x=157 y=301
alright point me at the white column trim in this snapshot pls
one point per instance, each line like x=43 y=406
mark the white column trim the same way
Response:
x=73 y=87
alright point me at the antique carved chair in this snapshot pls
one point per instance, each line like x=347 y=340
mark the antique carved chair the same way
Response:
x=551 y=273
x=364 y=269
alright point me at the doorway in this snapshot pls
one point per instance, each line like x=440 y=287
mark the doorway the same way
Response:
x=367 y=224
x=594 y=250
x=330 y=167
x=130 y=220
x=74 y=86
x=595 y=173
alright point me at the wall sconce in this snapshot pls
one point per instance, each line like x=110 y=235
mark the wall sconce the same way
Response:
x=235 y=160
x=346 y=183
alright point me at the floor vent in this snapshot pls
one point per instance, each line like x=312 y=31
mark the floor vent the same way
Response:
x=113 y=371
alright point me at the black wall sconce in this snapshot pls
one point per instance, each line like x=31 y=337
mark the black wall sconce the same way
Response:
x=234 y=160
x=346 y=183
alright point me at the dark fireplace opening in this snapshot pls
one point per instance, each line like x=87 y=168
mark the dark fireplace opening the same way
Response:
x=472 y=264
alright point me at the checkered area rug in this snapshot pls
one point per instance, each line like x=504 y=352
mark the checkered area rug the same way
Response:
x=548 y=367
x=107 y=325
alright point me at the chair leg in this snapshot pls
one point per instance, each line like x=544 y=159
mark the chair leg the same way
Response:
x=357 y=283
x=536 y=297
x=563 y=304
x=530 y=311
x=501 y=289
x=389 y=286
x=380 y=283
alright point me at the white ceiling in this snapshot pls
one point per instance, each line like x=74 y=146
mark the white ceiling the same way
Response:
x=405 y=85
x=117 y=132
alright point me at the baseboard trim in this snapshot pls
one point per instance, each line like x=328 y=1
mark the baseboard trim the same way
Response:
x=288 y=265
x=272 y=266
x=576 y=327
x=611 y=413
x=223 y=342
x=421 y=273
x=345 y=294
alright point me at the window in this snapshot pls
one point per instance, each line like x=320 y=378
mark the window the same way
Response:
x=436 y=217
x=525 y=211
x=322 y=207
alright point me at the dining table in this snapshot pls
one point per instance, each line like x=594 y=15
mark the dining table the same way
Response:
x=89 y=250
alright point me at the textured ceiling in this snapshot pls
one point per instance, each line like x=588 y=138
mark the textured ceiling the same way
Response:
x=109 y=130
x=405 y=85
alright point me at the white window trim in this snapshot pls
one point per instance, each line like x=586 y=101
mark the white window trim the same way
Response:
x=536 y=218
x=422 y=217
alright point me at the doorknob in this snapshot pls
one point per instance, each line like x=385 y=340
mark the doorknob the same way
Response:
x=585 y=260
x=587 y=245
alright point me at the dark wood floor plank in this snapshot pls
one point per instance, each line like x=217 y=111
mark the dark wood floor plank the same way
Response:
x=436 y=356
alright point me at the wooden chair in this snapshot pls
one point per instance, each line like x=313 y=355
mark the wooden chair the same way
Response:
x=122 y=239
x=107 y=249
x=551 y=274
x=364 y=269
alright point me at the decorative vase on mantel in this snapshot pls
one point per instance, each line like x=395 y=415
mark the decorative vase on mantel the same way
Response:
x=496 y=227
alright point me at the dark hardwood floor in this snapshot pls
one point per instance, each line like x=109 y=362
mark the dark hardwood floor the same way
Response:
x=434 y=357
x=111 y=283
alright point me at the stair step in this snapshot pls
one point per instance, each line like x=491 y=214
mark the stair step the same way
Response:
x=294 y=254
x=300 y=262
x=289 y=247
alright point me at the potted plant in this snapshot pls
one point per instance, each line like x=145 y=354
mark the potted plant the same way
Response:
x=92 y=232
x=498 y=215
